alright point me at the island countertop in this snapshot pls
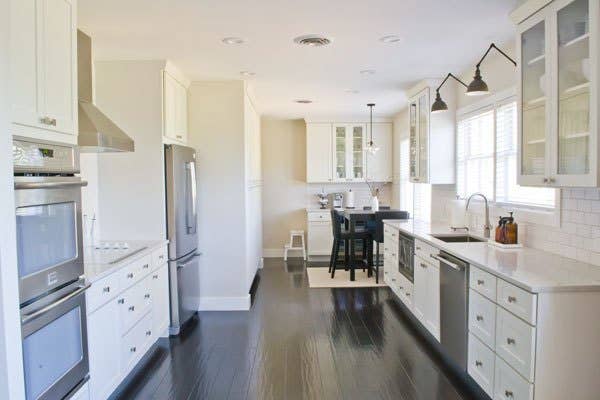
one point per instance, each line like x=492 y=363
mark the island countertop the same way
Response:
x=531 y=269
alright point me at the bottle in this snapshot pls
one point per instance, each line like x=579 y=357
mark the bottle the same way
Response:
x=499 y=230
x=512 y=230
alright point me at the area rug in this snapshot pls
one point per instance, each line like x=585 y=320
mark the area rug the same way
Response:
x=321 y=278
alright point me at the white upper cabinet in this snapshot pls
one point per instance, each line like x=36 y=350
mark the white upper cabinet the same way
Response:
x=558 y=48
x=318 y=152
x=431 y=136
x=379 y=165
x=349 y=152
x=175 y=104
x=43 y=68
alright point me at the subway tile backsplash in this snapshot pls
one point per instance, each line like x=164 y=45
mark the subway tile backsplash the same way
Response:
x=362 y=194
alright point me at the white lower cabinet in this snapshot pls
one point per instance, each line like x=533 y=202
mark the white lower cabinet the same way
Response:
x=482 y=318
x=515 y=343
x=320 y=233
x=509 y=385
x=481 y=364
x=426 y=306
x=125 y=321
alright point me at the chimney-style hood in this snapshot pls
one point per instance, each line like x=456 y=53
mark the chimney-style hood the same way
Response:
x=97 y=133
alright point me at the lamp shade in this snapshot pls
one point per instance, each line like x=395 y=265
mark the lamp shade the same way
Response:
x=477 y=87
x=438 y=105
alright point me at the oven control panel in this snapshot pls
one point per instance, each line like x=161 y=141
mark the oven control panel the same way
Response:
x=44 y=157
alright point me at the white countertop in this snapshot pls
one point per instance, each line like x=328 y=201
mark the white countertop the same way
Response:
x=99 y=263
x=533 y=270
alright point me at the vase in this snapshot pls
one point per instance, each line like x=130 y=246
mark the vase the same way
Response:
x=374 y=203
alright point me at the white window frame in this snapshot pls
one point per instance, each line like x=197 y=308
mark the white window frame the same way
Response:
x=525 y=213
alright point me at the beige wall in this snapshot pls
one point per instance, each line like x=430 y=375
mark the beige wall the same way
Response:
x=284 y=179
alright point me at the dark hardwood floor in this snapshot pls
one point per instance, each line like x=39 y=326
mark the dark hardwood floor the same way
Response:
x=297 y=343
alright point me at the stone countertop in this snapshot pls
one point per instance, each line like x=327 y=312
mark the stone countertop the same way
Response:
x=531 y=269
x=99 y=263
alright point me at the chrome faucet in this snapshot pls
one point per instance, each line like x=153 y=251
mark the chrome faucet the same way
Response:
x=487 y=227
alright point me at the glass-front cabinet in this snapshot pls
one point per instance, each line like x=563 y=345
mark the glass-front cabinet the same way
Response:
x=558 y=94
x=419 y=137
x=349 y=158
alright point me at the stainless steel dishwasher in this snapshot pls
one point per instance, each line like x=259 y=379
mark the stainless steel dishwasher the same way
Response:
x=453 y=307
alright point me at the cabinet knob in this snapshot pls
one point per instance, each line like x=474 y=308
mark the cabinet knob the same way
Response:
x=423 y=265
x=145 y=266
x=147 y=296
x=400 y=287
x=161 y=257
x=106 y=289
x=480 y=282
x=179 y=137
x=48 y=121
x=393 y=279
x=418 y=248
x=512 y=299
x=545 y=180
x=407 y=294
x=508 y=393
x=479 y=318
x=478 y=363
x=121 y=301
x=148 y=333
x=552 y=180
x=133 y=349
x=130 y=275
x=131 y=308
x=510 y=341
x=154 y=276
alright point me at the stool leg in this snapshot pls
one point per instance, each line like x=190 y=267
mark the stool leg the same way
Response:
x=303 y=248
x=377 y=264
x=336 y=249
x=352 y=257
x=364 y=252
x=370 y=256
x=346 y=254
x=333 y=257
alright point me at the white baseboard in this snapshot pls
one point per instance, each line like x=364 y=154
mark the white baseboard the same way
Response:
x=241 y=303
x=273 y=253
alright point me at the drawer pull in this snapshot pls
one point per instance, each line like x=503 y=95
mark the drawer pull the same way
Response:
x=130 y=275
x=179 y=137
x=147 y=296
x=479 y=318
x=508 y=393
x=106 y=289
x=145 y=266
x=48 y=121
x=423 y=265
x=154 y=276
x=133 y=349
x=161 y=257
x=478 y=363
x=510 y=341
x=121 y=301
x=131 y=308
x=407 y=294
x=480 y=282
x=393 y=279
x=418 y=248
x=148 y=333
x=512 y=299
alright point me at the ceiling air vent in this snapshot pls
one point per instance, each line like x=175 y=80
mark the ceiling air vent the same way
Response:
x=312 y=40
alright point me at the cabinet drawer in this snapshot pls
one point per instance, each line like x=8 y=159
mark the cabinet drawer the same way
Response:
x=521 y=303
x=481 y=364
x=319 y=216
x=135 y=343
x=101 y=292
x=133 y=272
x=515 y=343
x=405 y=290
x=425 y=250
x=159 y=257
x=482 y=318
x=391 y=232
x=132 y=305
x=508 y=385
x=483 y=282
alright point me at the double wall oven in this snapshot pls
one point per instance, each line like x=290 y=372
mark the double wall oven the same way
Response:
x=50 y=268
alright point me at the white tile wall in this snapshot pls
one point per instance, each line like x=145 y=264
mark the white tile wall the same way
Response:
x=362 y=195
x=577 y=237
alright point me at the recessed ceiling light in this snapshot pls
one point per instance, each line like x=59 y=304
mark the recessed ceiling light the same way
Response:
x=352 y=91
x=303 y=101
x=367 y=72
x=312 y=40
x=247 y=73
x=233 y=40
x=391 y=39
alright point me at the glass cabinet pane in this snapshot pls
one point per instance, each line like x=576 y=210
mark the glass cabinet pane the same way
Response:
x=535 y=84
x=423 y=137
x=357 y=152
x=413 y=141
x=340 y=152
x=573 y=88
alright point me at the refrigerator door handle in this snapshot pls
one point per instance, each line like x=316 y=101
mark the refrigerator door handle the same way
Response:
x=189 y=261
x=191 y=211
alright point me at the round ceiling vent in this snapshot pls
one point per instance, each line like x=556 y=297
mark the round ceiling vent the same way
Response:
x=312 y=40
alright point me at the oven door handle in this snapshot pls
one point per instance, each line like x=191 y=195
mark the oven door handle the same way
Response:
x=28 y=317
x=48 y=185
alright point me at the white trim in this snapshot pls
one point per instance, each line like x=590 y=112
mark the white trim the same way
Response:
x=527 y=9
x=241 y=303
x=347 y=120
x=488 y=101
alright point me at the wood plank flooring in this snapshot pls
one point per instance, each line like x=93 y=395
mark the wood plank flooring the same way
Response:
x=297 y=343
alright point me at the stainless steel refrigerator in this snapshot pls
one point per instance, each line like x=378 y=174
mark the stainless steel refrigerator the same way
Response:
x=182 y=226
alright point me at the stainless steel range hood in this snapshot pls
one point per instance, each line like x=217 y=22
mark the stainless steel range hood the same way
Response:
x=97 y=133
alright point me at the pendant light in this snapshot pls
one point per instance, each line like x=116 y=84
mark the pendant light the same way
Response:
x=478 y=86
x=440 y=105
x=371 y=147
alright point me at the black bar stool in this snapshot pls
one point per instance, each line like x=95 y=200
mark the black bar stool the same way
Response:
x=377 y=231
x=345 y=235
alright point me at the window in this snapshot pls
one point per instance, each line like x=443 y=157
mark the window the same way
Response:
x=486 y=156
x=414 y=198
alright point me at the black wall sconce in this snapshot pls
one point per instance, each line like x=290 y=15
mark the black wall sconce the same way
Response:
x=439 y=104
x=478 y=86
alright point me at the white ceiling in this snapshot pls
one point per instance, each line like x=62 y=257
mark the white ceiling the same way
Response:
x=438 y=36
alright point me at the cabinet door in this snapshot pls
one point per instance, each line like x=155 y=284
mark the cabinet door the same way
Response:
x=57 y=59
x=413 y=142
x=340 y=154
x=379 y=165
x=534 y=86
x=433 y=314
x=423 y=139
x=318 y=153
x=170 y=106
x=575 y=52
x=357 y=155
x=320 y=238
x=160 y=301
x=180 y=112
x=420 y=289
x=104 y=346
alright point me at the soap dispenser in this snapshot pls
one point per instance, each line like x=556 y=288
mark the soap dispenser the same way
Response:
x=512 y=230
x=500 y=231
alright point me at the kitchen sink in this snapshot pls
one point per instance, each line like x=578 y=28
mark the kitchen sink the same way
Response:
x=458 y=238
